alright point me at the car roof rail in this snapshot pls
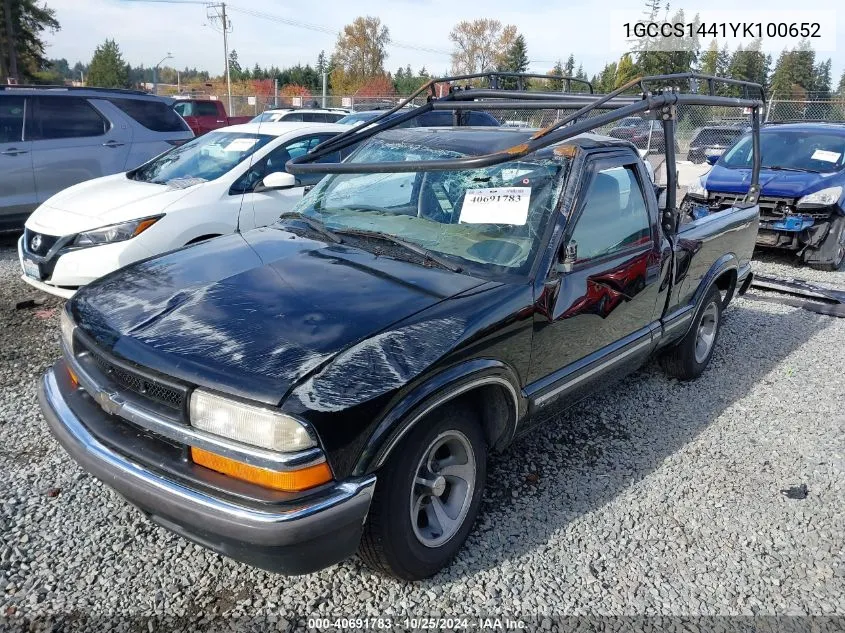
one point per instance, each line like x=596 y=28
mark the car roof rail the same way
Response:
x=58 y=88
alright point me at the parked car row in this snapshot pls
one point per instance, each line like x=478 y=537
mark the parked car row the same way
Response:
x=51 y=139
x=216 y=184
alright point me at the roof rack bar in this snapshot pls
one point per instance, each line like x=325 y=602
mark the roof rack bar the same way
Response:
x=516 y=100
x=549 y=136
x=519 y=104
x=491 y=93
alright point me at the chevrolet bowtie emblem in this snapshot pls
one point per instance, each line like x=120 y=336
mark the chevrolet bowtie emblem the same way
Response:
x=35 y=244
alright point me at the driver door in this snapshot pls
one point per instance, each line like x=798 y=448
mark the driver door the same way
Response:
x=262 y=208
x=601 y=307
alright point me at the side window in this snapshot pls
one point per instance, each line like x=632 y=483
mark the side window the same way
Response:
x=613 y=216
x=184 y=108
x=205 y=108
x=295 y=117
x=275 y=161
x=153 y=115
x=332 y=117
x=11 y=119
x=314 y=117
x=67 y=117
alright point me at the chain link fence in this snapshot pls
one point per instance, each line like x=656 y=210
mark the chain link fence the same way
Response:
x=805 y=109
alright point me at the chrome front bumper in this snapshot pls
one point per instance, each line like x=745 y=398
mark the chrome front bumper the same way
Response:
x=292 y=538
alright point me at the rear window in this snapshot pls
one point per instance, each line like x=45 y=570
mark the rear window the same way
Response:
x=153 y=115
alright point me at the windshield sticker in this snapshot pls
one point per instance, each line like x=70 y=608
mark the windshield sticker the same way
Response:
x=240 y=145
x=497 y=205
x=828 y=157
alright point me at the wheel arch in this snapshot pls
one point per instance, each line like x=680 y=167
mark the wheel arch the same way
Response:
x=724 y=275
x=490 y=387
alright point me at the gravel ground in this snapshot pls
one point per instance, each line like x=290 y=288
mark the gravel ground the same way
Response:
x=672 y=508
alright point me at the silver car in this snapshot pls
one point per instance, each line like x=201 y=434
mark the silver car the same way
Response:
x=52 y=138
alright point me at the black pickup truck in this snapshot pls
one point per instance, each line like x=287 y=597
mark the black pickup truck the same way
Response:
x=335 y=382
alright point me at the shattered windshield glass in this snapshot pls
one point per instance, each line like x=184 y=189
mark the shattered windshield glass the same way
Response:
x=492 y=217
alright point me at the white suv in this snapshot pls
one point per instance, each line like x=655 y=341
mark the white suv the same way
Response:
x=300 y=115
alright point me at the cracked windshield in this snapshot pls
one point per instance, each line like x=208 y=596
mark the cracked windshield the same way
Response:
x=491 y=217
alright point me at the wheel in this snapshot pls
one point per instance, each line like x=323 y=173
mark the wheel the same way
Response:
x=833 y=247
x=689 y=357
x=427 y=496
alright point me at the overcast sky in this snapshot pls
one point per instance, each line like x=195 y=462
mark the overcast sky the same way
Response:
x=147 y=31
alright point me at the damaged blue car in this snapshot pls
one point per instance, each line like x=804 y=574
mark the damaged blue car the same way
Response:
x=802 y=197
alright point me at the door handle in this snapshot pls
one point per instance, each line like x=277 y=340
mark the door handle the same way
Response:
x=13 y=151
x=219 y=121
x=112 y=144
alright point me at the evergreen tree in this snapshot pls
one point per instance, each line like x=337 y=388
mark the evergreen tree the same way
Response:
x=322 y=63
x=841 y=89
x=556 y=85
x=626 y=70
x=107 y=68
x=22 y=47
x=515 y=60
x=234 y=67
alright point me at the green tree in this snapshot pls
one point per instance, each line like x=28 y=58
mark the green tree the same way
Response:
x=841 y=89
x=107 y=68
x=235 y=70
x=322 y=63
x=556 y=85
x=605 y=81
x=626 y=70
x=22 y=24
x=515 y=60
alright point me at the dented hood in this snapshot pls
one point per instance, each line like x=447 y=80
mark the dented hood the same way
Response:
x=253 y=314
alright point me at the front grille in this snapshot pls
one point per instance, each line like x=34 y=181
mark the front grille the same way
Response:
x=44 y=242
x=771 y=208
x=143 y=386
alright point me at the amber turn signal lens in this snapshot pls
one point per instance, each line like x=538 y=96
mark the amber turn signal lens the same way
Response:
x=289 y=481
x=73 y=378
x=143 y=225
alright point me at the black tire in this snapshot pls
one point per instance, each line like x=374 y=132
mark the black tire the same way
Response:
x=833 y=248
x=682 y=361
x=390 y=543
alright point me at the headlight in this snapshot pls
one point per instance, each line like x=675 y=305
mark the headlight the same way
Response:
x=115 y=232
x=67 y=326
x=249 y=424
x=822 y=198
x=697 y=189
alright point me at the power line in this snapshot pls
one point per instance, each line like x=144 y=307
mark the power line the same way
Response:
x=330 y=31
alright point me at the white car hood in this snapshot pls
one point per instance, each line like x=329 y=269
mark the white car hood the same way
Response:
x=100 y=202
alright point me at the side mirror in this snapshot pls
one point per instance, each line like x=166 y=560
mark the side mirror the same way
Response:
x=711 y=158
x=277 y=180
x=570 y=256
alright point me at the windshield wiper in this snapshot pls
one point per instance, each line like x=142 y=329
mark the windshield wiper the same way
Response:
x=779 y=168
x=409 y=246
x=314 y=225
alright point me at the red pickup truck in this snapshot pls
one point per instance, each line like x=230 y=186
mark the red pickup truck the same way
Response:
x=204 y=115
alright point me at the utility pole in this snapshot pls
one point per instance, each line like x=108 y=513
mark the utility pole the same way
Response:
x=325 y=88
x=219 y=13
